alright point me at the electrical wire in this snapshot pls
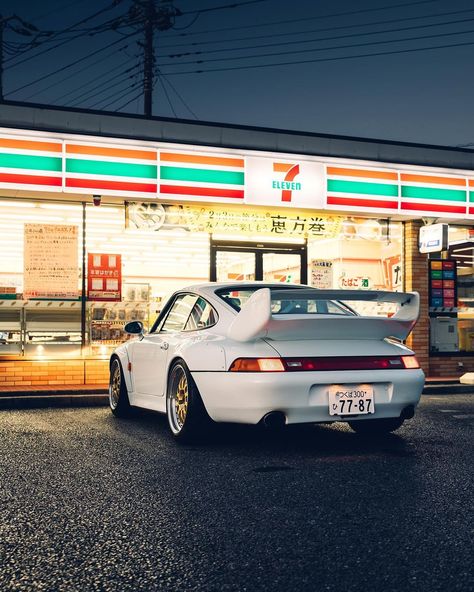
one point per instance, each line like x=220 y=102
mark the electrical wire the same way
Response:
x=286 y=43
x=115 y=100
x=233 y=5
x=76 y=72
x=283 y=53
x=89 y=82
x=310 y=18
x=88 y=18
x=67 y=66
x=319 y=60
x=90 y=94
x=167 y=95
x=325 y=29
x=128 y=102
x=178 y=95
x=114 y=94
x=56 y=10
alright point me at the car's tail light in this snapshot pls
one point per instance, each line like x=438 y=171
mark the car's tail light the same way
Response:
x=257 y=365
x=324 y=364
x=410 y=362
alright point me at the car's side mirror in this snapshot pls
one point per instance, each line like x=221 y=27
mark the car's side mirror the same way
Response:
x=134 y=328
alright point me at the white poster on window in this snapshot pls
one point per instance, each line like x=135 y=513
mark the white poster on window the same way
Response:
x=50 y=261
x=321 y=274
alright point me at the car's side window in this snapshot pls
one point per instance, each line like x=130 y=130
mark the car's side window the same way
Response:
x=202 y=316
x=179 y=313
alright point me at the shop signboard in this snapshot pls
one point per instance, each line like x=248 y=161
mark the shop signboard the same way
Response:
x=321 y=274
x=279 y=181
x=442 y=287
x=433 y=238
x=233 y=220
x=50 y=261
x=104 y=277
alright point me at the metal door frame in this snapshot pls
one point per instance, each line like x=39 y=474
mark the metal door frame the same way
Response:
x=259 y=248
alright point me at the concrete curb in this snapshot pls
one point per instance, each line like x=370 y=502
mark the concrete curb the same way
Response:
x=448 y=389
x=53 y=400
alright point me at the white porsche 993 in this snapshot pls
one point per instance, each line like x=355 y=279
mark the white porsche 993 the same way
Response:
x=271 y=353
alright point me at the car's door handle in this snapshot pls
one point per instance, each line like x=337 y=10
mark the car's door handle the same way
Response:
x=164 y=345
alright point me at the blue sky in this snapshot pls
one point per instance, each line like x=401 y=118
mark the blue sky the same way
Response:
x=273 y=63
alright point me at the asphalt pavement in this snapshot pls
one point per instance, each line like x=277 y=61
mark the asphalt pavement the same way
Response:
x=91 y=502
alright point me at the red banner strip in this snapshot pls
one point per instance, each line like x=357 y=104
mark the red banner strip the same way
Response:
x=362 y=203
x=424 y=207
x=112 y=185
x=30 y=179
x=206 y=191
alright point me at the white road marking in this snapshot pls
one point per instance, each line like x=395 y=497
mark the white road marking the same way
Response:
x=464 y=416
x=447 y=410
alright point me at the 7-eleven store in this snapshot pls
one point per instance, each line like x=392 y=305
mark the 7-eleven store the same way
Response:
x=103 y=216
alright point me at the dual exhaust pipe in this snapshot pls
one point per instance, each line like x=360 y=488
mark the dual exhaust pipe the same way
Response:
x=277 y=419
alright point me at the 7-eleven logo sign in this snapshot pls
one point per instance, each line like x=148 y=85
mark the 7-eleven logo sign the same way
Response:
x=287 y=183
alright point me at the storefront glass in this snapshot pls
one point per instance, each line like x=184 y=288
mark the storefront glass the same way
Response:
x=144 y=252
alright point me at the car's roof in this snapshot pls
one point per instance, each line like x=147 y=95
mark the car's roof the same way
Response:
x=211 y=287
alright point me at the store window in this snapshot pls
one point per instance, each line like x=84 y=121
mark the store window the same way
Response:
x=137 y=254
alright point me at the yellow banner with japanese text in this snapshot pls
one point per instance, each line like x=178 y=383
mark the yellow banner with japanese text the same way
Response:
x=235 y=220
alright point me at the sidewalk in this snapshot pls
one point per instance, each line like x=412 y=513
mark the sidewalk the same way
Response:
x=83 y=395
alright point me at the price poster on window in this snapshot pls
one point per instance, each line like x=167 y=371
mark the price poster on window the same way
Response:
x=321 y=274
x=104 y=277
x=50 y=261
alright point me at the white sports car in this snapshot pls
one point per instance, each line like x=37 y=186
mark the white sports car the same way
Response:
x=271 y=353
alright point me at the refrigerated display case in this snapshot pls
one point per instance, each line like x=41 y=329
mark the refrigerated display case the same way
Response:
x=52 y=328
x=106 y=321
x=11 y=327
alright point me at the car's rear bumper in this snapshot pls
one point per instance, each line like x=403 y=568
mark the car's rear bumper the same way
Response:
x=302 y=396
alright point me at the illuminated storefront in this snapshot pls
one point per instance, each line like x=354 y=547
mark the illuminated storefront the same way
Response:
x=96 y=231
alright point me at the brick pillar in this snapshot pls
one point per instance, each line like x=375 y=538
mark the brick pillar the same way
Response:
x=416 y=280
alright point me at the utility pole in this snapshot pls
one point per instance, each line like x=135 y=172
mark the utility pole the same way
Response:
x=1 y=57
x=151 y=16
x=148 y=59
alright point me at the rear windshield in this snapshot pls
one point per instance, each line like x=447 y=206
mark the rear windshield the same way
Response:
x=286 y=301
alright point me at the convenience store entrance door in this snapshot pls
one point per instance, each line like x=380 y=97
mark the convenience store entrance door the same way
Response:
x=269 y=262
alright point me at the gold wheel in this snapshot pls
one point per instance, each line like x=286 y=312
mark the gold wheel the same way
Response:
x=181 y=400
x=115 y=385
x=178 y=399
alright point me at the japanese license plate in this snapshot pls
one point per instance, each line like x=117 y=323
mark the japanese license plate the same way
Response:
x=351 y=399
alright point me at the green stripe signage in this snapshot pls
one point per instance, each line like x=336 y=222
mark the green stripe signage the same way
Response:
x=26 y=161
x=433 y=193
x=169 y=173
x=362 y=188
x=102 y=167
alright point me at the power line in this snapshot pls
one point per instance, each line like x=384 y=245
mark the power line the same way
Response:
x=306 y=19
x=233 y=5
x=90 y=94
x=178 y=95
x=67 y=66
x=286 y=43
x=88 y=18
x=90 y=81
x=325 y=29
x=123 y=95
x=167 y=96
x=318 y=60
x=281 y=53
x=128 y=102
x=76 y=72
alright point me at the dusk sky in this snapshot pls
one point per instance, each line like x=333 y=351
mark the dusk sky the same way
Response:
x=336 y=67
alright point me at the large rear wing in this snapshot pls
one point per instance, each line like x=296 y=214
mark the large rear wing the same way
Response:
x=255 y=320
